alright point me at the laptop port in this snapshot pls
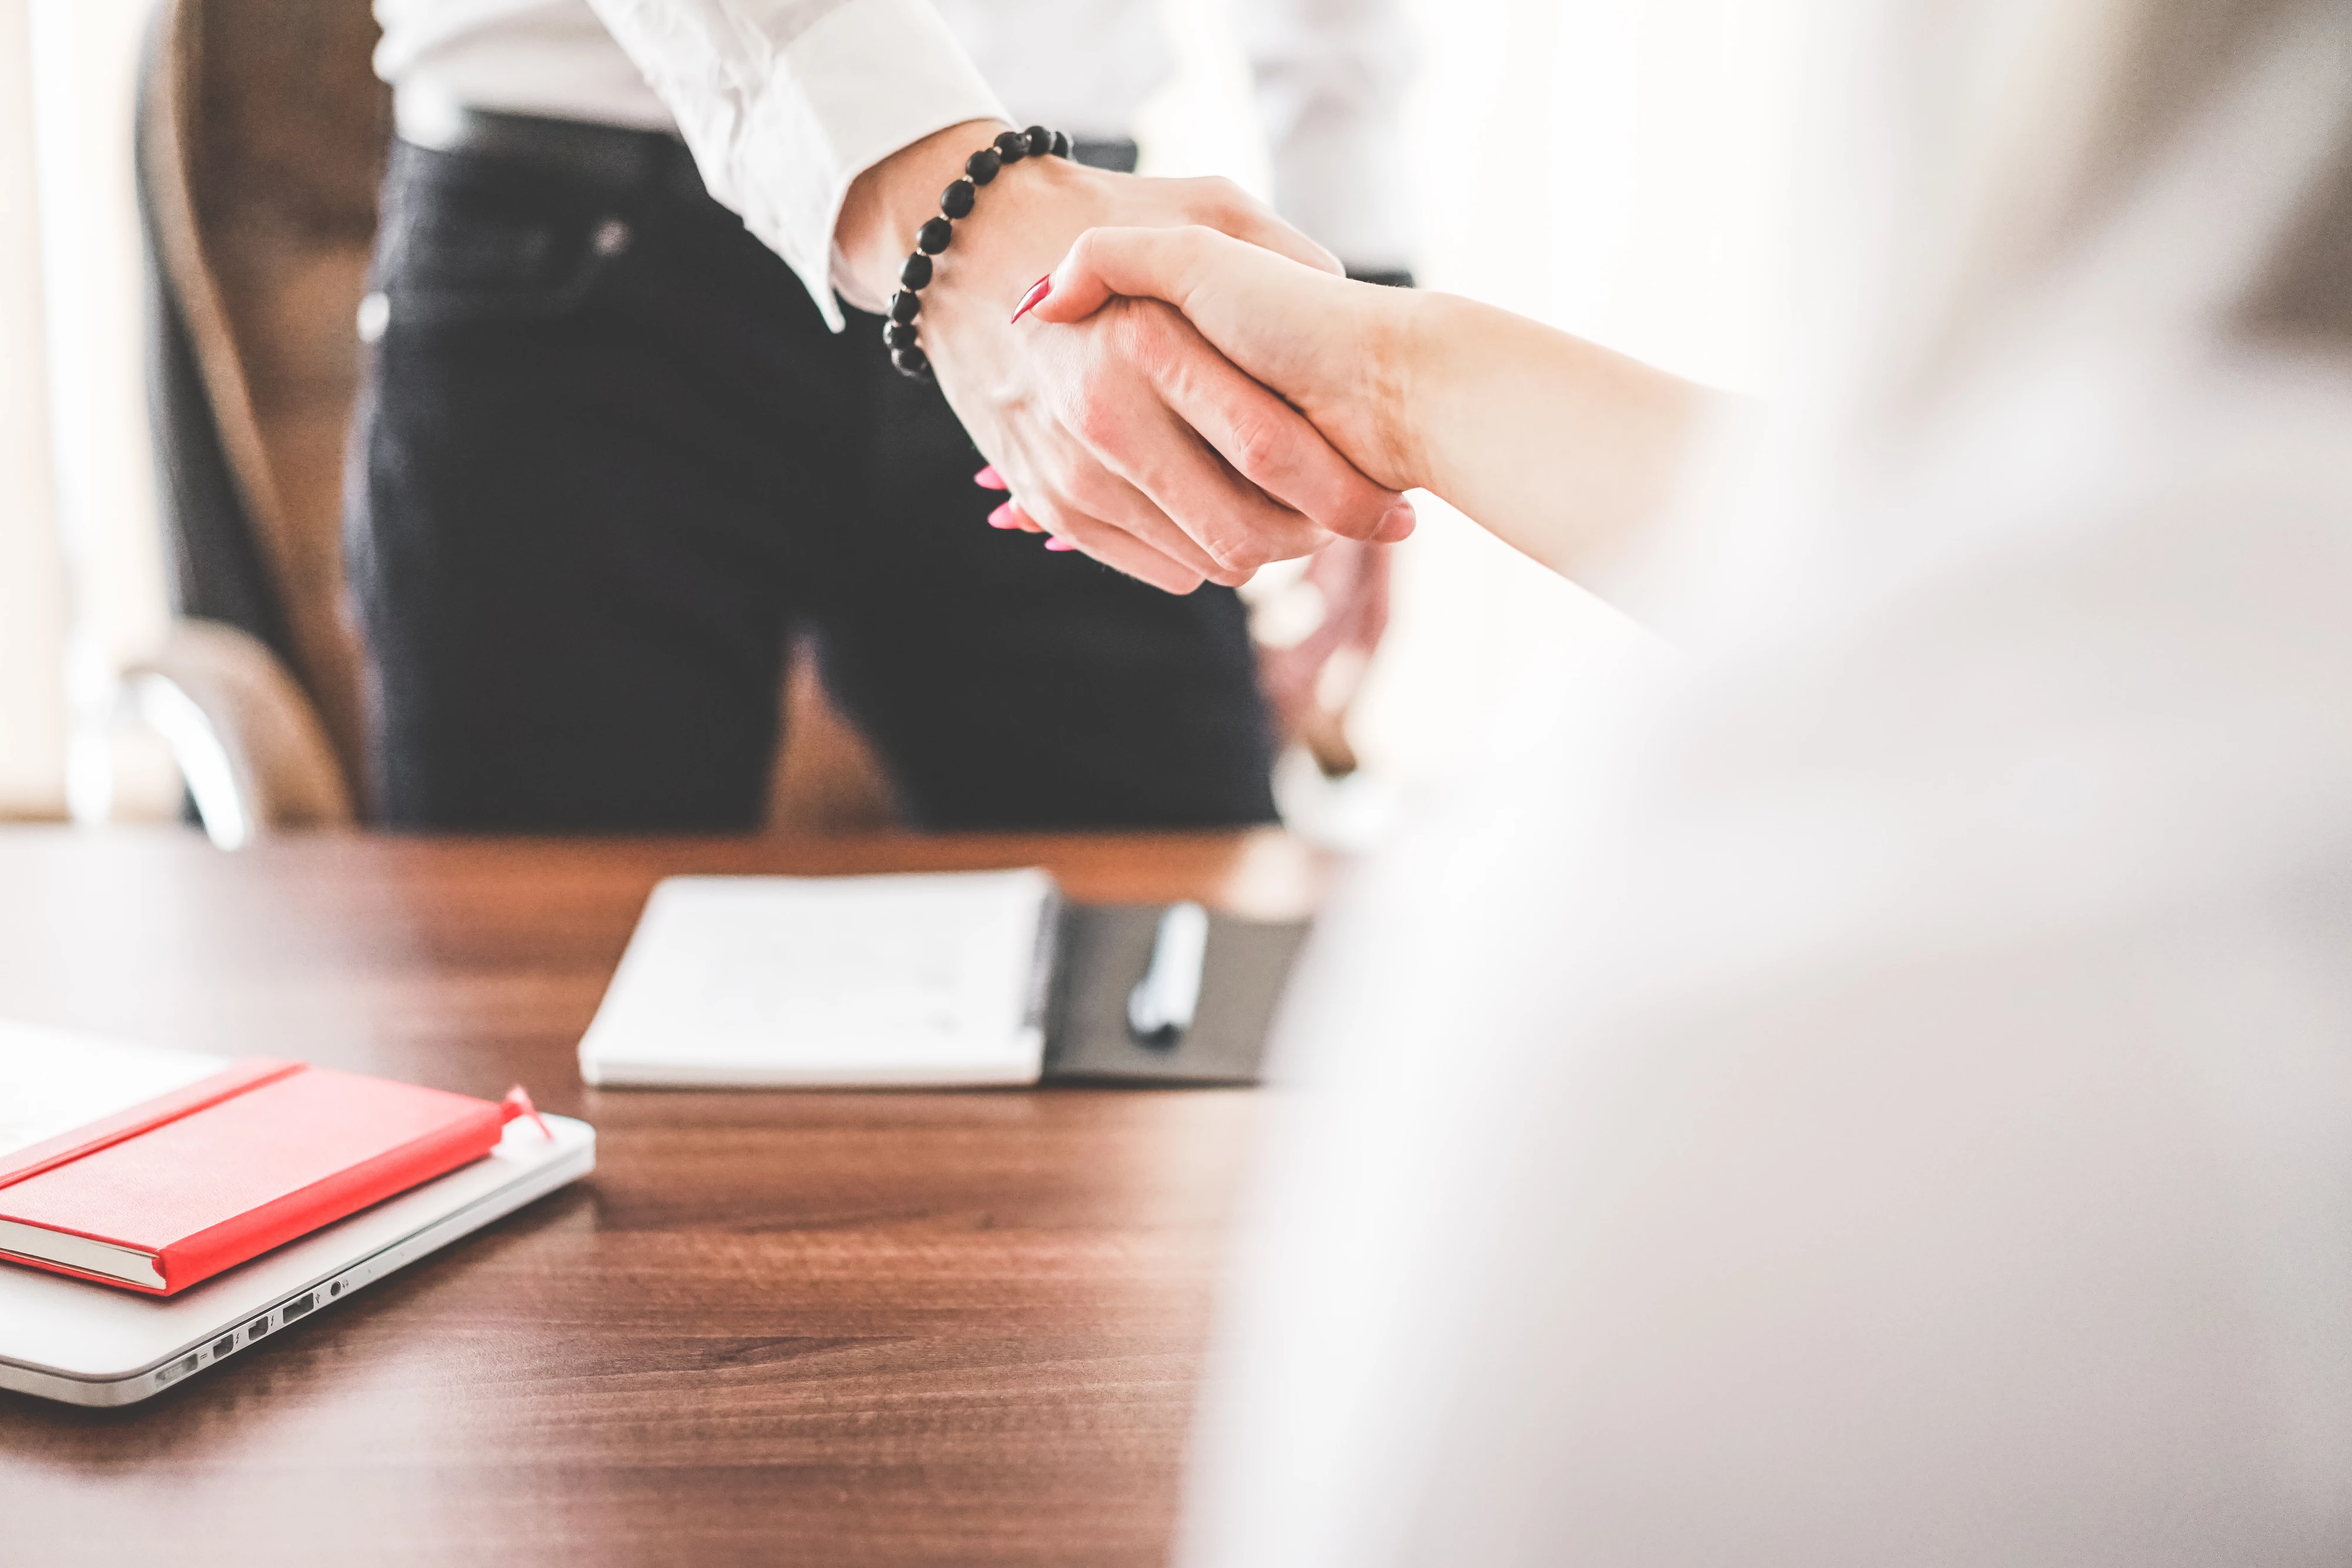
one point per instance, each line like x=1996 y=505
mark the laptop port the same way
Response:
x=300 y=1304
x=258 y=1327
x=223 y=1345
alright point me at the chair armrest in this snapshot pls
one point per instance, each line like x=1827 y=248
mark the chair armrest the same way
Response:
x=249 y=742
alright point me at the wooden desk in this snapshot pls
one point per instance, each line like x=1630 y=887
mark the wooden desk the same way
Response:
x=825 y=1328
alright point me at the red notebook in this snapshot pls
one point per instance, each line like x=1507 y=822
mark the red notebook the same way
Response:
x=197 y=1179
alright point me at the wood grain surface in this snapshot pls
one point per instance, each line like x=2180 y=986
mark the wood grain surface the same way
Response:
x=772 y=1328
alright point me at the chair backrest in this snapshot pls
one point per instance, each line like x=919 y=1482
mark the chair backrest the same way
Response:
x=262 y=136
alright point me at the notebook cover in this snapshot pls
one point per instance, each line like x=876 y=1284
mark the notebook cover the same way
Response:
x=210 y=1188
x=1106 y=948
x=900 y=980
x=238 y=1076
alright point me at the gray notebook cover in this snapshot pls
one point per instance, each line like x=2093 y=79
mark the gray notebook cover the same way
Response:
x=1105 y=950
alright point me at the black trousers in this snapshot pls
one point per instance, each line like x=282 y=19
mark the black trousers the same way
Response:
x=609 y=461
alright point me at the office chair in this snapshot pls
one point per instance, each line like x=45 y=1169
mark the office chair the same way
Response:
x=261 y=137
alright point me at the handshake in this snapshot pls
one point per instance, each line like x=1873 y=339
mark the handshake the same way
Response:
x=1117 y=427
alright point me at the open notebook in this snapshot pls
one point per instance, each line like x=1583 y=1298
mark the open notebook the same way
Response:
x=927 y=979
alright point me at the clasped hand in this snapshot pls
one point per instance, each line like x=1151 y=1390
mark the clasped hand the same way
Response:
x=1120 y=430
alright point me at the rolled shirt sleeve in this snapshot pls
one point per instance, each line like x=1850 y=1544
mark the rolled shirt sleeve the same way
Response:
x=1330 y=77
x=785 y=102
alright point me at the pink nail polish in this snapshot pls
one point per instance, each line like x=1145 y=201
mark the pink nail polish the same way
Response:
x=1054 y=543
x=989 y=478
x=1004 y=517
x=1038 y=291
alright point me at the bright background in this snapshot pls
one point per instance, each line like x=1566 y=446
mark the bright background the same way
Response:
x=1609 y=166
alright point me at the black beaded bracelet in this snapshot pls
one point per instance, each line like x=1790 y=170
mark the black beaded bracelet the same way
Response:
x=939 y=233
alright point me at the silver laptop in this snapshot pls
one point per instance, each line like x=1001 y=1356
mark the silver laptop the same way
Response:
x=90 y=1344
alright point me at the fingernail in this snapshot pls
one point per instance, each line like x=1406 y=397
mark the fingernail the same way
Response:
x=1395 y=524
x=1004 y=517
x=1038 y=291
x=989 y=478
x=1054 y=542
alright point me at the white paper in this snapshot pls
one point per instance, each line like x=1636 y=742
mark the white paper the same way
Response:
x=839 y=982
x=52 y=1081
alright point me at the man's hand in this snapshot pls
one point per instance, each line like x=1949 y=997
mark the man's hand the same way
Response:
x=1123 y=434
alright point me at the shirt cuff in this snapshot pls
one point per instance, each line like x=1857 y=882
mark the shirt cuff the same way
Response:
x=781 y=126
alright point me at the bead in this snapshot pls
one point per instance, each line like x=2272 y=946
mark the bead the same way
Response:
x=1012 y=147
x=917 y=272
x=905 y=306
x=1040 y=141
x=910 y=362
x=982 y=165
x=898 y=334
x=956 y=200
x=934 y=236
x=1061 y=144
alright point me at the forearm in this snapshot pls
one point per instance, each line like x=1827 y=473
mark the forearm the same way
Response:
x=1558 y=446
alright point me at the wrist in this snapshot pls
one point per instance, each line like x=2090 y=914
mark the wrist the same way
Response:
x=1414 y=372
x=887 y=203
x=1024 y=222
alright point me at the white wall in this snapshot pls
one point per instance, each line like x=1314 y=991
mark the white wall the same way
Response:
x=1608 y=166
x=85 y=55
x=32 y=572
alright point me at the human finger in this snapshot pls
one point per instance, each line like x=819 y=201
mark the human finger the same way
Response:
x=1093 y=495
x=1265 y=441
x=1146 y=469
x=1122 y=504
x=1115 y=547
x=1058 y=489
x=1105 y=264
x=1221 y=204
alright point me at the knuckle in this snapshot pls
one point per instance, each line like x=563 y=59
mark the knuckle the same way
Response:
x=1094 y=491
x=1086 y=255
x=1093 y=419
x=1221 y=196
x=1236 y=552
x=1144 y=336
x=1091 y=409
x=1259 y=444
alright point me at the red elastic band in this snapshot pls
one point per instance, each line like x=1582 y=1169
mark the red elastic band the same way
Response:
x=517 y=1103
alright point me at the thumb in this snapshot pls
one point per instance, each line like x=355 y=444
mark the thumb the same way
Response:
x=1138 y=264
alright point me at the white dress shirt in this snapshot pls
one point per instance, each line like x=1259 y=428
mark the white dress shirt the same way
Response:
x=785 y=102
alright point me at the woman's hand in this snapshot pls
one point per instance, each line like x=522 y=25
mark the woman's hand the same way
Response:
x=1333 y=349
x=1556 y=445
